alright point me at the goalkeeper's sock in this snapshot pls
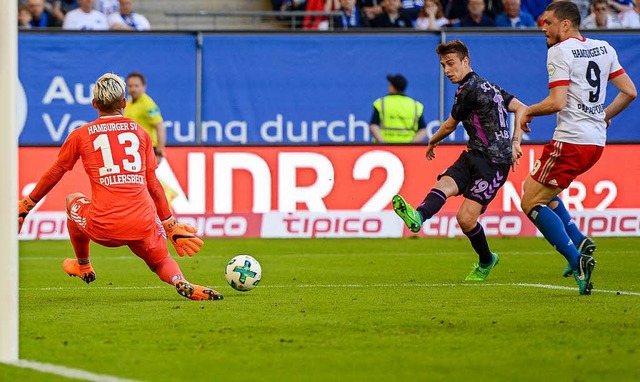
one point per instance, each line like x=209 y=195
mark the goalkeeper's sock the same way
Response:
x=432 y=204
x=168 y=270
x=79 y=241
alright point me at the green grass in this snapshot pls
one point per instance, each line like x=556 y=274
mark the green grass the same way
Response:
x=336 y=310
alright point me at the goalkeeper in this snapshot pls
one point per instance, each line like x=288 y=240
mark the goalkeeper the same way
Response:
x=127 y=205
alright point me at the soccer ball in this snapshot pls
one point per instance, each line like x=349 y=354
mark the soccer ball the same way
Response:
x=243 y=273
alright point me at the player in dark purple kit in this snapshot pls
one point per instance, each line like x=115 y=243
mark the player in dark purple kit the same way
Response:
x=482 y=169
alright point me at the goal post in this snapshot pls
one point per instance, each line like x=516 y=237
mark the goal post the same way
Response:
x=9 y=177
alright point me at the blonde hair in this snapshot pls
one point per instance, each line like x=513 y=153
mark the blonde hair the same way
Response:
x=109 y=92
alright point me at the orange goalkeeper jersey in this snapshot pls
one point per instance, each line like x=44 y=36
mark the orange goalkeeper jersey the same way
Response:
x=116 y=153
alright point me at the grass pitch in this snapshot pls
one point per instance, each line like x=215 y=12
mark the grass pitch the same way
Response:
x=336 y=310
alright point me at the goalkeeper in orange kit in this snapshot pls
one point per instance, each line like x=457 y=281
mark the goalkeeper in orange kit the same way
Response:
x=128 y=205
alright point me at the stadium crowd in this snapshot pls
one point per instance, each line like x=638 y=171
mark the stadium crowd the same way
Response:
x=437 y=14
x=414 y=14
x=87 y=15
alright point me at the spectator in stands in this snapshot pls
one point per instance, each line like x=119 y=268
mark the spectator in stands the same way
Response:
x=59 y=8
x=454 y=10
x=316 y=22
x=38 y=16
x=392 y=16
x=107 y=7
x=289 y=5
x=85 y=18
x=24 y=17
x=371 y=8
x=631 y=18
x=600 y=17
x=431 y=16
x=583 y=7
x=493 y=8
x=514 y=17
x=412 y=7
x=476 y=16
x=621 y=5
x=396 y=117
x=127 y=19
x=351 y=17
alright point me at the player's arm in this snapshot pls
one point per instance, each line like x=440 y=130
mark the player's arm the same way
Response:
x=46 y=183
x=555 y=101
x=517 y=107
x=181 y=235
x=67 y=157
x=157 y=195
x=445 y=129
x=559 y=65
x=627 y=94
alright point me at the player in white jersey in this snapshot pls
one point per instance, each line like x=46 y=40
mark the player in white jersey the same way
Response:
x=579 y=69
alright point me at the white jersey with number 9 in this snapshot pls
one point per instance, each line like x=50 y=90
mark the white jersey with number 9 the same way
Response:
x=585 y=65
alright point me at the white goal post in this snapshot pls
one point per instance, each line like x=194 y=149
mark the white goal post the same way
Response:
x=9 y=177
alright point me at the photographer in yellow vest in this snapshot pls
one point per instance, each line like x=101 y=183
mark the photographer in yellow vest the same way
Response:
x=396 y=117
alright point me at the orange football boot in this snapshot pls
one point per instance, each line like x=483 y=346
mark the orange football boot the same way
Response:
x=196 y=292
x=85 y=271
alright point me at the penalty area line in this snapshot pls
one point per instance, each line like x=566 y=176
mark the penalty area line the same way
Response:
x=67 y=372
x=390 y=285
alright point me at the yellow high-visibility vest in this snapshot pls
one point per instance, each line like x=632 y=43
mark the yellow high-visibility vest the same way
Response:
x=399 y=116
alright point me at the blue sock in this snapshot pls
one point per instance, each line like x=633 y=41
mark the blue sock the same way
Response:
x=569 y=225
x=552 y=228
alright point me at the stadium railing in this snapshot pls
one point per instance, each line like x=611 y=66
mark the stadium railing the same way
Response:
x=292 y=19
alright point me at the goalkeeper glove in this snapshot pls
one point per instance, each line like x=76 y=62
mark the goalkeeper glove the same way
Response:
x=182 y=237
x=24 y=207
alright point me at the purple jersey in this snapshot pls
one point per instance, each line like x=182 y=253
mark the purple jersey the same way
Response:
x=482 y=108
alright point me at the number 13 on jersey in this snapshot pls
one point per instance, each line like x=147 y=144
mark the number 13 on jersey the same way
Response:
x=132 y=162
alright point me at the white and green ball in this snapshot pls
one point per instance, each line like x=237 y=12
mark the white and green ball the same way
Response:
x=243 y=273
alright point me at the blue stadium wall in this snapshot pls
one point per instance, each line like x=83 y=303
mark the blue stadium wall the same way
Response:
x=274 y=89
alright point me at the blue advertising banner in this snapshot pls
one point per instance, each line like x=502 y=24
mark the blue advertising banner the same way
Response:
x=266 y=89
x=57 y=73
x=285 y=89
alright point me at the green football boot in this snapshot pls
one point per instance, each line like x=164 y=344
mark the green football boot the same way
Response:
x=408 y=214
x=586 y=247
x=480 y=273
x=582 y=275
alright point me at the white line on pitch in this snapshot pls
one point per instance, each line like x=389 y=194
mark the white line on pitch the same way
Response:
x=386 y=254
x=399 y=285
x=66 y=371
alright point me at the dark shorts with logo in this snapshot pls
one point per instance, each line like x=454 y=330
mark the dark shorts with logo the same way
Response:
x=478 y=178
